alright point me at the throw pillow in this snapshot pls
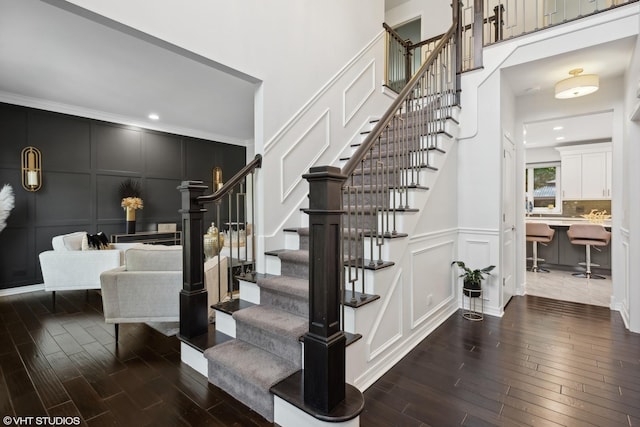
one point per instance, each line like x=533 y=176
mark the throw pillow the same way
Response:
x=95 y=241
x=68 y=242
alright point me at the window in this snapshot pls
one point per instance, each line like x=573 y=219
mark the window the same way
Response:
x=542 y=182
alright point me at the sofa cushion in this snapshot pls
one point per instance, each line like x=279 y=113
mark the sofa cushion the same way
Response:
x=153 y=258
x=68 y=242
x=96 y=241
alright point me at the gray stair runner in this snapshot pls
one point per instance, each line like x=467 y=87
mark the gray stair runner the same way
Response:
x=267 y=347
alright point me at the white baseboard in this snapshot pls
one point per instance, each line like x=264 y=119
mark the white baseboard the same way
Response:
x=21 y=290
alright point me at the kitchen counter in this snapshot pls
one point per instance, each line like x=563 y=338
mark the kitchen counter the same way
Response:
x=562 y=221
x=561 y=253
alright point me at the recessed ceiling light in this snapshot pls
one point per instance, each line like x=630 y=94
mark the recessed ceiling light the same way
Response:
x=560 y=138
x=558 y=127
x=154 y=116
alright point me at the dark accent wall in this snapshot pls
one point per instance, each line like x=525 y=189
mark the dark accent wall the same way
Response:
x=84 y=161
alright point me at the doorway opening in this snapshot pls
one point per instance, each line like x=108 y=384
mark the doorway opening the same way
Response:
x=567 y=176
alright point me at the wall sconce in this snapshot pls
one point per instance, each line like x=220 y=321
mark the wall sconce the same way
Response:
x=217 y=178
x=31 y=169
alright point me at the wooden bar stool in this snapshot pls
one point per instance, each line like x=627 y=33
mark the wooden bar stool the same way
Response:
x=538 y=233
x=588 y=235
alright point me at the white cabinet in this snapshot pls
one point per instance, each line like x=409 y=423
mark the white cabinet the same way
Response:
x=609 y=164
x=586 y=171
x=571 y=176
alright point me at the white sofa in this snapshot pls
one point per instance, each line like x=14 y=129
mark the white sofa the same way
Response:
x=68 y=267
x=146 y=288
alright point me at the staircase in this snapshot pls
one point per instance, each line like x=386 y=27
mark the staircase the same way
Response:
x=267 y=347
x=388 y=178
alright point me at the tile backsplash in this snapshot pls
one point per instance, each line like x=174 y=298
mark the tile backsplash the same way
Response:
x=575 y=208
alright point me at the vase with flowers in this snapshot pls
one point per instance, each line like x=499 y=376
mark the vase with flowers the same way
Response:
x=130 y=200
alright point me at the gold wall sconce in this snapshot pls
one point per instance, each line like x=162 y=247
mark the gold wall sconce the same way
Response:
x=31 y=169
x=217 y=178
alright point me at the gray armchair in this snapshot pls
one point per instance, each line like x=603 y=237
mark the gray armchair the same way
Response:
x=146 y=288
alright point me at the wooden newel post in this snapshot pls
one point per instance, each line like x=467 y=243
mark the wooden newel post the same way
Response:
x=324 y=343
x=193 y=296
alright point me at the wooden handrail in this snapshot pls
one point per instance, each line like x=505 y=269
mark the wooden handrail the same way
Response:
x=370 y=140
x=235 y=180
x=396 y=36
x=427 y=41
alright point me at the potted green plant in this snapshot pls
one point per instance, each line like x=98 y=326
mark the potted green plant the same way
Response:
x=472 y=278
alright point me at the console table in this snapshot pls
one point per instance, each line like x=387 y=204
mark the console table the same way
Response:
x=150 y=237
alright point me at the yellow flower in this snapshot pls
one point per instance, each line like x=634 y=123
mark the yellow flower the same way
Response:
x=132 y=202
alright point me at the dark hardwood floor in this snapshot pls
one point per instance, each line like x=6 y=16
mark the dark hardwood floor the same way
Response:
x=544 y=363
x=65 y=363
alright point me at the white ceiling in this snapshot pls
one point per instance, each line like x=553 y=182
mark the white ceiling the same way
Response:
x=50 y=56
x=596 y=127
x=608 y=60
x=54 y=59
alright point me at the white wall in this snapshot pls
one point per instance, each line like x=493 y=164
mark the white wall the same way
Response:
x=320 y=67
x=435 y=16
x=479 y=210
x=629 y=250
x=292 y=46
x=541 y=155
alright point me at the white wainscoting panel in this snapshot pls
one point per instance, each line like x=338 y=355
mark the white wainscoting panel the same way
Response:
x=430 y=283
x=301 y=156
x=358 y=91
x=616 y=304
x=387 y=328
x=479 y=248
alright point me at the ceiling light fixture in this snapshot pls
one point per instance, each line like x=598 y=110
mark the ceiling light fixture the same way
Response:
x=559 y=138
x=558 y=128
x=577 y=85
x=154 y=116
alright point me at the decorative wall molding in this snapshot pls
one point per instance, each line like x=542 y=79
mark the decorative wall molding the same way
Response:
x=366 y=77
x=296 y=167
x=433 y=235
x=624 y=232
x=623 y=307
x=332 y=81
x=484 y=231
x=387 y=361
x=392 y=300
x=81 y=169
x=425 y=257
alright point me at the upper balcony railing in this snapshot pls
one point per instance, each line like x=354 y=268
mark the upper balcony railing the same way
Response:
x=485 y=22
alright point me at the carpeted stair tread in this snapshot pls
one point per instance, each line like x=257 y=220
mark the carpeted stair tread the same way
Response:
x=247 y=373
x=264 y=368
x=286 y=285
x=294 y=263
x=298 y=256
x=277 y=322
